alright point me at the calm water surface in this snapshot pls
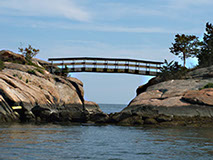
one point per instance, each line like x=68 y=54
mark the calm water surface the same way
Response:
x=57 y=142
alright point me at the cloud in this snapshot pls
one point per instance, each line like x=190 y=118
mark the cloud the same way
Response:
x=44 y=8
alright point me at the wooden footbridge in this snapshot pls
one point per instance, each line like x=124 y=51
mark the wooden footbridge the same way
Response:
x=106 y=65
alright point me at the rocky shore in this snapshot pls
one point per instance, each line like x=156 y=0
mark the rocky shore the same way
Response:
x=30 y=93
x=173 y=102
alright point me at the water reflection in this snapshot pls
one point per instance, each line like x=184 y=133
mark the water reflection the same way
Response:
x=104 y=142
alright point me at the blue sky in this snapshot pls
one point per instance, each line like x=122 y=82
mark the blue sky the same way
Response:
x=102 y=28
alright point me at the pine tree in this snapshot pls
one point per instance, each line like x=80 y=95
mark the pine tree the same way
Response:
x=185 y=46
x=205 y=58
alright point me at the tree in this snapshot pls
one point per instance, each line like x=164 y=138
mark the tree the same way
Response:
x=205 y=57
x=29 y=52
x=185 y=46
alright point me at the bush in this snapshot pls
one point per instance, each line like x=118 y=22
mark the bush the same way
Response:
x=61 y=71
x=65 y=71
x=1 y=65
x=172 y=70
x=29 y=52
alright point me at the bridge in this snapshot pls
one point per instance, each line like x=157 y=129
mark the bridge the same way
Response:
x=106 y=65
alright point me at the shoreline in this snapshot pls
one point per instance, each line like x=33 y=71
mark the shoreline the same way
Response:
x=30 y=93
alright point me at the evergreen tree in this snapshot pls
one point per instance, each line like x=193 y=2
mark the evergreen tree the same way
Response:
x=185 y=46
x=205 y=58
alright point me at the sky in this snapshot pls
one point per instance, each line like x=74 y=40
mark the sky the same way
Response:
x=135 y=29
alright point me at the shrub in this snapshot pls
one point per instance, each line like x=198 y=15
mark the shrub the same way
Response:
x=29 y=52
x=172 y=70
x=62 y=71
x=209 y=85
x=65 y=71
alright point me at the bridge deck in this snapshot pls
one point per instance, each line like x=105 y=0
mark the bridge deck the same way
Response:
x=107 y=65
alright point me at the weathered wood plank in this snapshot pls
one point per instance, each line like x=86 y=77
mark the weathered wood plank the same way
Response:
x=107 y=70
x=108 y=65
x=103 y=59
x=103 y=64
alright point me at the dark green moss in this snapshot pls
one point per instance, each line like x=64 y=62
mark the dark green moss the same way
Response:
x=1 y=65
x=209 y=85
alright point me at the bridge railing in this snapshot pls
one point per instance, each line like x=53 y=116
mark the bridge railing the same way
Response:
x=112 y=65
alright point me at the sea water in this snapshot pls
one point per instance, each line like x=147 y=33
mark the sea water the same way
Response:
x=106 y=142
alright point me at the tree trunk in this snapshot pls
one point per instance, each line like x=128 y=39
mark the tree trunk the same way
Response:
x=184 y=59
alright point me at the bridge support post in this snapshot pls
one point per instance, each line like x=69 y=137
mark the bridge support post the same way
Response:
x=116 y=66
x=62 y=68
x=73 y=65
x=127 y=67
x=51 y=68
x=84 y=65
x=105 y=66
x=136 y=68
x=147 y=69
x=95 y=67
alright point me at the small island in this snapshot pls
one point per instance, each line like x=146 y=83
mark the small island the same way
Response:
x=30 y=93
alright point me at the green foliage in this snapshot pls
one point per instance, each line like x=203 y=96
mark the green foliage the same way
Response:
x=209 y=85
x=1 y=65
x=40 y=70
x=205 y=58
x=185 y=46
x=172 y=70
x=29 y=52
x=62 y=71
x=16 y=75
x=31 y=72
x=27 y=80
x=65 y=71
x=57 y=71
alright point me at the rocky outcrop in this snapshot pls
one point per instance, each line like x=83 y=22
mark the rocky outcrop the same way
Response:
x=202 y=97
x=174 y=102
x=12 y=57
x=42 y=96
x=30 y=93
